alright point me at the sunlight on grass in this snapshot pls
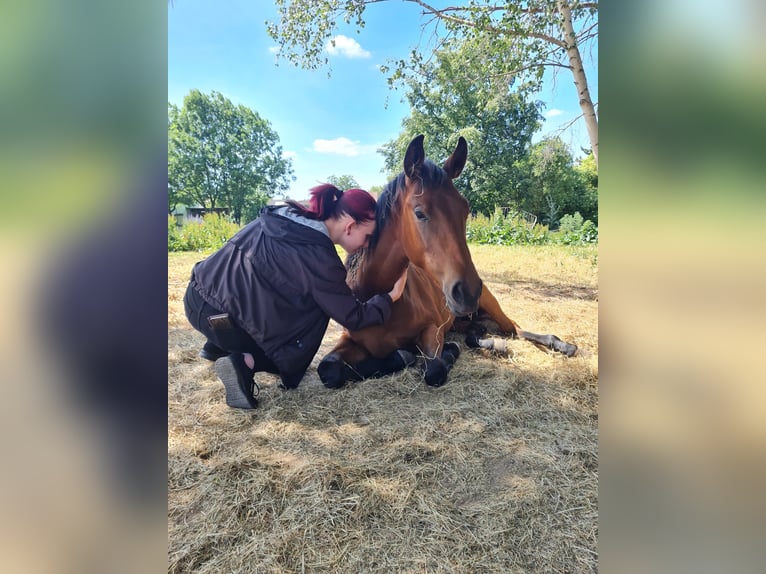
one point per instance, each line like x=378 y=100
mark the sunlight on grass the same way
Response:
x=496 y=469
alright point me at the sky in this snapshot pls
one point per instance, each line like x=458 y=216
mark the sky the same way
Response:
x=327 y=126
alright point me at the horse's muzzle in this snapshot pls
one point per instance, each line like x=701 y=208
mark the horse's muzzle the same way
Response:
x=462 y=300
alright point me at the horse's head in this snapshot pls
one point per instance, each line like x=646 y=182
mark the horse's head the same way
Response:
x=433 y=216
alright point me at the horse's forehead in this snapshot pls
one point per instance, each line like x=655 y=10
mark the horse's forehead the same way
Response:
x=442 y=197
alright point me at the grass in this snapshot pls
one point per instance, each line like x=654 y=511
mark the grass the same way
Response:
x=494 y=472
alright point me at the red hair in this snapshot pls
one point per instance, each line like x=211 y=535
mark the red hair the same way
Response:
x=327 y=201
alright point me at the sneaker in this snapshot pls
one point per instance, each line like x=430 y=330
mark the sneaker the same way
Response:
x=211 y=352
x=237 y=378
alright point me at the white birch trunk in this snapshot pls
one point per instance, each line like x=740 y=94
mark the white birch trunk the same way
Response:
x=580 y=81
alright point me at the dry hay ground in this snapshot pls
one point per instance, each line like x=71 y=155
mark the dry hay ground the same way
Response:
x=494 y=472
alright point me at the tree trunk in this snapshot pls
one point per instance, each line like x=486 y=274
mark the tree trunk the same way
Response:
x=580 y=81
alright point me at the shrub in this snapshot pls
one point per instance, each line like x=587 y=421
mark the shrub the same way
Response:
x=510 y=229
x=571 y=223
x=209 y=232
x=587 y=233
x=175 y=241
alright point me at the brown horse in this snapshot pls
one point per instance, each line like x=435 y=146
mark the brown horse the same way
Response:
x=421 y=222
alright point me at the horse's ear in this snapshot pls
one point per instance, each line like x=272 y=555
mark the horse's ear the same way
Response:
x=413 y=159
x=456 y=162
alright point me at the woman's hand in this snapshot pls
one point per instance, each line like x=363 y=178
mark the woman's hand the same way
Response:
x=398 y=288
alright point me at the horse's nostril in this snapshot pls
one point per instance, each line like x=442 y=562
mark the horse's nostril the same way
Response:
x=462 y=295
x=458 y=292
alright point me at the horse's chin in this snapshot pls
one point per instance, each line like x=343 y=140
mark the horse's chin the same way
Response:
x=460 y=310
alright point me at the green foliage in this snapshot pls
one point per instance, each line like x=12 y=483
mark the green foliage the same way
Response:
x=575 y=231
x=175 y=241
x=587 y=186
x=589 y=232
x=508 y=40
x=506 y=44
x=513 y=229
x=343 y=182
x=376 y=190
x=222 y=155
x=497 y=126
x=211 y=232
x=551 y=216
x=547 y=178
x=571 y=223
x=510 y=229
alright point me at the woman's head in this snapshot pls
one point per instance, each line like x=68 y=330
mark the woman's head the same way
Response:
x=327 y=201
x=351 y=213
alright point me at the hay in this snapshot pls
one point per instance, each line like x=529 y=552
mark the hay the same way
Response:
x=494 y=472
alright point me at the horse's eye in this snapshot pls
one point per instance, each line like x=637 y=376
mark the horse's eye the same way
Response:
x=420 y=215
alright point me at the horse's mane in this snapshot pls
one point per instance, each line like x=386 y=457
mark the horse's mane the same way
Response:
x=431 y=175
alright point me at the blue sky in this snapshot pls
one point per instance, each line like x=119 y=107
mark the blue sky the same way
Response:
x=328 y=126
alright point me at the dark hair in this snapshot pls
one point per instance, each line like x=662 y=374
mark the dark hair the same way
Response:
x=327 y=201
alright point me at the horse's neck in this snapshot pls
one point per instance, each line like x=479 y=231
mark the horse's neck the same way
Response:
x=382 y=266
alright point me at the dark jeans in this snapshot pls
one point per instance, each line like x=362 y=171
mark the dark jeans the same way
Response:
x=235 y=340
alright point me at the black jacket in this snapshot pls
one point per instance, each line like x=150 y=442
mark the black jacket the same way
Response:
x=281 y=280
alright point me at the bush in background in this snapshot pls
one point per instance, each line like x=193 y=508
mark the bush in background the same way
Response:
x=513 y=229
x=200 y=234
x=571 y=223
x=575 y=231
x=499 y=229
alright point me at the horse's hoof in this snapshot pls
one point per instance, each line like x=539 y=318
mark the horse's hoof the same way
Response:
x=563 y=347
x=568 y=349
x=476 y=330
x=436 y=373
x=472 y=341
x=452 y=348
x=332 y=373
x=451 y=352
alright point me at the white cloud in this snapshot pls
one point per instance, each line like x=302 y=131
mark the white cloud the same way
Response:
x=289 y=154
x=553 y=113
x=348 y=47
x=342 y=146
x=273 y=49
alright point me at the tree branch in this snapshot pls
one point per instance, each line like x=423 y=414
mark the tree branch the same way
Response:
x=488 y=9
x=441 y=15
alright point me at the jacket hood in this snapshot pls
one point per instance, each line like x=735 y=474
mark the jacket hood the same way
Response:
x=281 y=223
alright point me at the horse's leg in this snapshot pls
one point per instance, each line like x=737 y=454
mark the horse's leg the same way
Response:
x=349 y=361
x=439 y=356
x=373 y=367
x=489 y=304
x=491 y=307
x=333 y=368
x=551 y=342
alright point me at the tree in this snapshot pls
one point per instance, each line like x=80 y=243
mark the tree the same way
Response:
x=175 y=186
x=497 y=126
x=376 y=190
x=222 y=155
x=343 y=182
x=587 y=173
x=549 y=185
x=510 y=41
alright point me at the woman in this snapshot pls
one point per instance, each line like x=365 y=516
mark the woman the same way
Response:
x=264 y=300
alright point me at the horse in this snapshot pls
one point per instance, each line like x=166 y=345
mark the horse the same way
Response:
x=421 y=227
